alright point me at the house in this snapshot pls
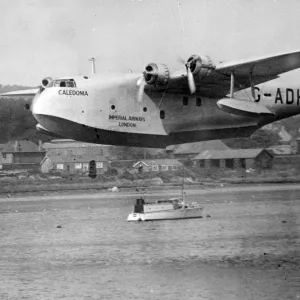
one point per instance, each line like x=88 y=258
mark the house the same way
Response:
x=23 y=153
x=1 y=161
x=73 y=164
x=155 y=165
x=190 y=150
x=233 y=159
x=296 y=146
x=71 y=147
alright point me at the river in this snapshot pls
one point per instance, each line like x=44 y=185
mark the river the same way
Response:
x=81 y=247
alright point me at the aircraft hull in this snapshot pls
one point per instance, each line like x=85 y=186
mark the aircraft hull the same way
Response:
x=84 y=133
x=187 y=213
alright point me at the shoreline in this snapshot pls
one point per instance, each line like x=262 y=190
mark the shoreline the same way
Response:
x=30 y=187
x=147 y=192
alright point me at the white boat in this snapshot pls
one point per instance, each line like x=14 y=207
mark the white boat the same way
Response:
x=171 y=209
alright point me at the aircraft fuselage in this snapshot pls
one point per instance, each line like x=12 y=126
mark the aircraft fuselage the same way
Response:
x=104 y=109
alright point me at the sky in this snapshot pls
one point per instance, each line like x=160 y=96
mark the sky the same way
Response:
x=41 y=38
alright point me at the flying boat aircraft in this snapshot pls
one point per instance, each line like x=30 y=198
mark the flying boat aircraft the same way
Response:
x=161 y=107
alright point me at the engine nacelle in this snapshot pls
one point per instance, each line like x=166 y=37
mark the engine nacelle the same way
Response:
x=201 y=66
x=156 y=74
x=46 y=82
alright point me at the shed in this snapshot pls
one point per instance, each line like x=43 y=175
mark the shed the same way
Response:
x=22 y=152
x=193 y=149
x=154 y=165
x=73 y=164
x=234 y=158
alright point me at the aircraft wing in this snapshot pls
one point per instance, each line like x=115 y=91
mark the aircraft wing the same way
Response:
x=217 y=84
x=269 y=65
x=30 y=92
x=263 y=68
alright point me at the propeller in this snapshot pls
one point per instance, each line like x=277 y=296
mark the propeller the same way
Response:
x=190 y=76
x=141 y=83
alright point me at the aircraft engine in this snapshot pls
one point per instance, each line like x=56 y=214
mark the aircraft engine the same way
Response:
x=46 y=82
x=156 y=74
x=200 y=66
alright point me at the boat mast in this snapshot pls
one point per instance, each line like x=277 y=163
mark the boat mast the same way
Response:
x=182 y=188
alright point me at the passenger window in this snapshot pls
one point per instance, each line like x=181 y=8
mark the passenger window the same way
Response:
x=198 y=102
x=185 y=101
x=162 y=114
x=62 y=84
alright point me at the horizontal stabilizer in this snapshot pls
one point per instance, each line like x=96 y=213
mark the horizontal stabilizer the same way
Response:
x=242 y=107
x=31 y=92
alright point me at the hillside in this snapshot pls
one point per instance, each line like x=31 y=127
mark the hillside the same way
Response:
x=15 y=121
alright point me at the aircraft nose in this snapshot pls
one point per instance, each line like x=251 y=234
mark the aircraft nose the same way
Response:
x=43 y=109
x=41 y=103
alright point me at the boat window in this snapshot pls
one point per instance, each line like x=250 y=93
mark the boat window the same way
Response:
x=63 y=83
x=165 y=201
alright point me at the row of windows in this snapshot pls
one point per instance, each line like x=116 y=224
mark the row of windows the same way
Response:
x=79 y=166
x=113 y=107
x=185 y=101
x=164 y=168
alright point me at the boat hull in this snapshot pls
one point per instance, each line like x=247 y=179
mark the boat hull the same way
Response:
x=187 y=213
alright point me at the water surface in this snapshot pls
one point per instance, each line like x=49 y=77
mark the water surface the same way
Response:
x=247 y=249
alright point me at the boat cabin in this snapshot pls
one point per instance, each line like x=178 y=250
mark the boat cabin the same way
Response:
x=142 y=207
x=139 y=206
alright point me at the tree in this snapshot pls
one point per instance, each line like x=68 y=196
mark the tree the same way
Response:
x=16 y=122
x=260 y=139
x=291 y=126
x=188 y=163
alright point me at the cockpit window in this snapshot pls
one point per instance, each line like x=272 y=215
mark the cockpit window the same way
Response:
x=63 y=83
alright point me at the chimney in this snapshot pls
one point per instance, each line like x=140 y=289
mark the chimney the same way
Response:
x=40 y=145
x=16 y=146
